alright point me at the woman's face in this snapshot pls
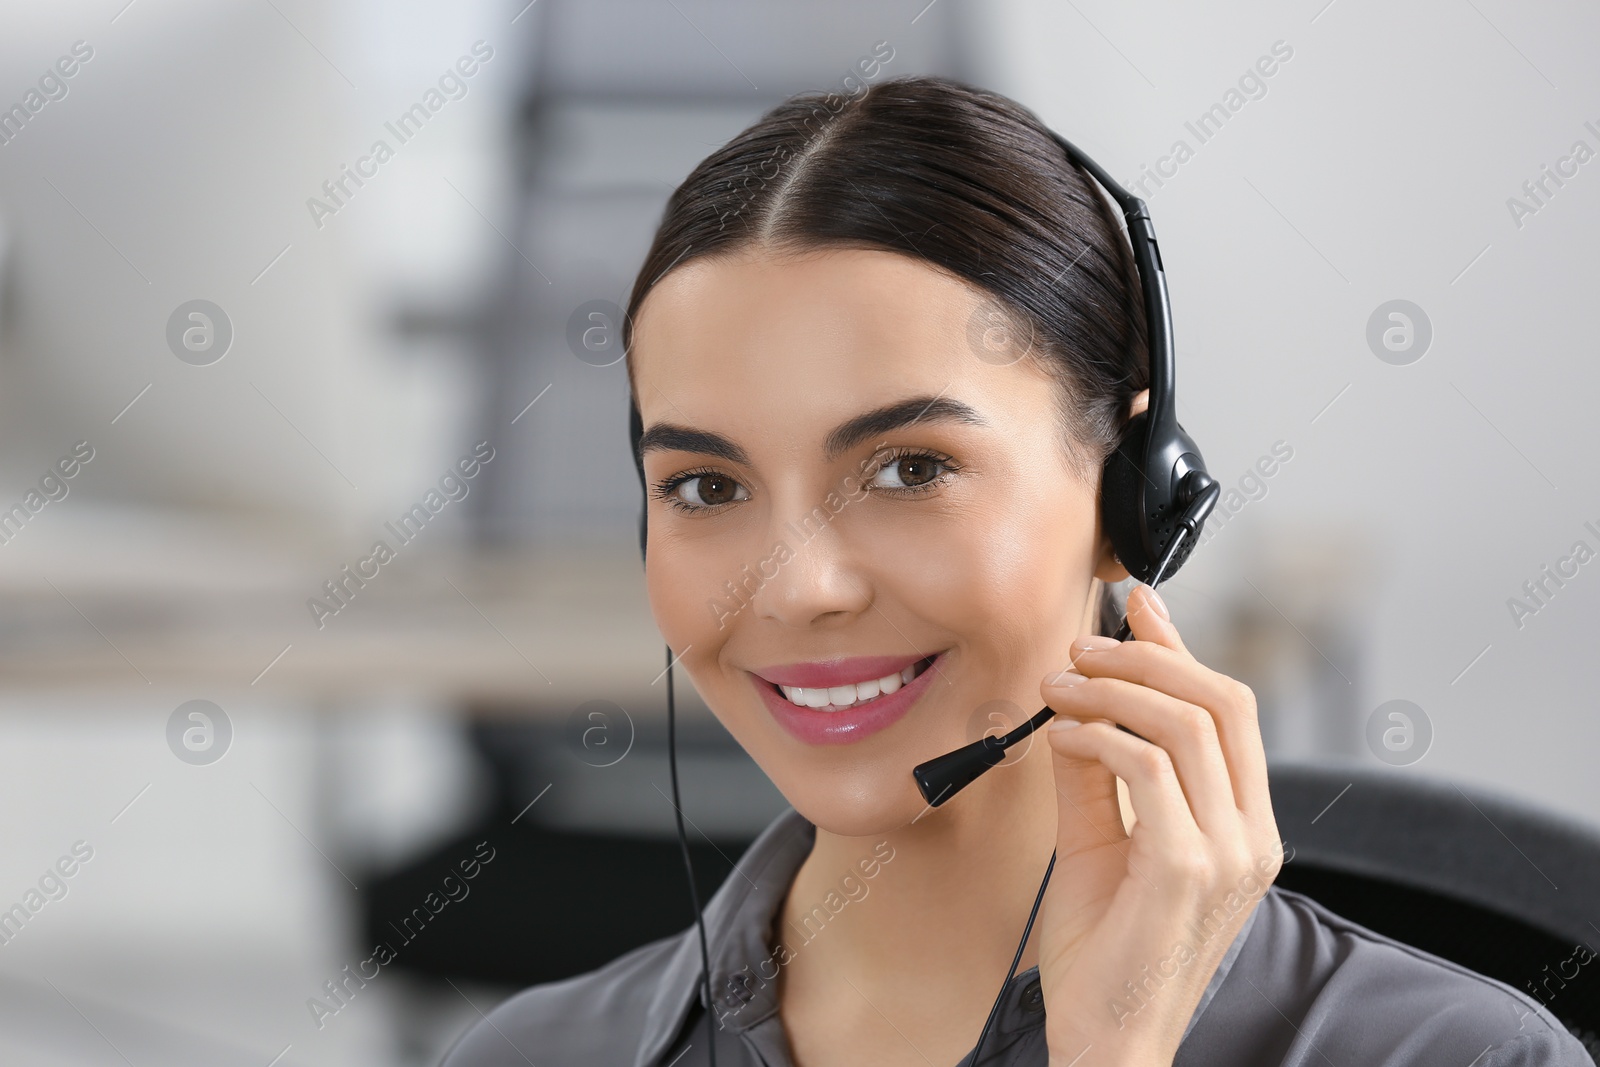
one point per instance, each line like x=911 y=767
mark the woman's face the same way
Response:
x=845 y=486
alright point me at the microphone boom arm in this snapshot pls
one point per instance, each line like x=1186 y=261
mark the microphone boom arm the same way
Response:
x=944 y=776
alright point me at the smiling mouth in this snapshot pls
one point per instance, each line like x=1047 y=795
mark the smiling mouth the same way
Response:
x=850 y=697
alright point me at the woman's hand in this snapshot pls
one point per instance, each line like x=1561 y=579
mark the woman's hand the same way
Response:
x=1133 y=925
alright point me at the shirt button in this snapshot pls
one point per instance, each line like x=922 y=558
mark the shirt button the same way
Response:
x=739 y=991
x=1033 y=998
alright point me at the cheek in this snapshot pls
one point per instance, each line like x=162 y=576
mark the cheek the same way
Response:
x=680 y=594
x=1008 y=578
x=700 y=591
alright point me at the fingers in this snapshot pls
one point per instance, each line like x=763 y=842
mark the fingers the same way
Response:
x=1150 y=621
x=1187 y=733
x=1158 y=660
x=1087 y=810
x=1152 y=781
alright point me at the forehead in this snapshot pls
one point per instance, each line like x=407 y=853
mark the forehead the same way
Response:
x=840 y=324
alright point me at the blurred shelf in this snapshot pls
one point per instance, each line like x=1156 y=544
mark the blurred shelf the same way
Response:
x=224 y=608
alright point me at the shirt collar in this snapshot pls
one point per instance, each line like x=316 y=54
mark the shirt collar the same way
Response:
x=738 y=930
x=739 y=920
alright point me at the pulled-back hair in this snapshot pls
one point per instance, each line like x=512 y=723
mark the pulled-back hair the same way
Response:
x=961 y=178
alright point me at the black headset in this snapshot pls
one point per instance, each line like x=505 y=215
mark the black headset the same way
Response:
x=1155 y=495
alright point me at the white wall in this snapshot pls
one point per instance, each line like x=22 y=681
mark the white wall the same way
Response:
x=1377 y=166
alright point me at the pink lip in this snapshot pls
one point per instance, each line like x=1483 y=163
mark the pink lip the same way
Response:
x=842 y=727
x=828 y=673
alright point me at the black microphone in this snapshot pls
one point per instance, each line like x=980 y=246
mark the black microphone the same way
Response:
x=944 y=776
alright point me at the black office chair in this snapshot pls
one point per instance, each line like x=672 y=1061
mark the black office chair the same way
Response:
x=1489 y=883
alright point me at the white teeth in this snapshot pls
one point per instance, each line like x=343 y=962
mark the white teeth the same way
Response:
x=838 y=697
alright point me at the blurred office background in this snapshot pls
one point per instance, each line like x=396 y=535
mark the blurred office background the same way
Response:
x=1392 y=498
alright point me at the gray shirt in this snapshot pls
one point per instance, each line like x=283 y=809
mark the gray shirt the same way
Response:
x=1298 y=987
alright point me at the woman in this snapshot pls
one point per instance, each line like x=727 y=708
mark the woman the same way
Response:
x=879 y=351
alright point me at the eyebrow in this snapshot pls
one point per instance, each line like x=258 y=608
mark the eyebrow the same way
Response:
x=913 y=411
x=670 y=437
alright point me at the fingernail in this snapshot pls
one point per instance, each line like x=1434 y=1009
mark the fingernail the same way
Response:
x=1065 y=679
x=1063 y=724
x=1157 y=603
x=1096 y=643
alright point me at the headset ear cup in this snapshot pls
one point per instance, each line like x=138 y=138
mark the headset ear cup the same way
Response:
x=1122 y=500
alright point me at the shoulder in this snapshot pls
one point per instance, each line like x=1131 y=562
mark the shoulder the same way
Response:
x=598 y=1018
x=630 y=1011
x=1309 y=984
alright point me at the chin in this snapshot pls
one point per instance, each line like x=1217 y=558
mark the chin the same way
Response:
x=849 y=803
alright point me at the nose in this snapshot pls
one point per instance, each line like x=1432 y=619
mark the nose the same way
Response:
x=816 y=579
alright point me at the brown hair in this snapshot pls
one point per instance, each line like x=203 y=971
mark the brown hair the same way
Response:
x=962 y=178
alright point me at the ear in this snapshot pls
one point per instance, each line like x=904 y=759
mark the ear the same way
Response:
x=1107 y=569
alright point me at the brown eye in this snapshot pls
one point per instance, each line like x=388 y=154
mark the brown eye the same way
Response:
x=909 y=472
x=915 y=471
x=715 y=489
x=710 y=490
